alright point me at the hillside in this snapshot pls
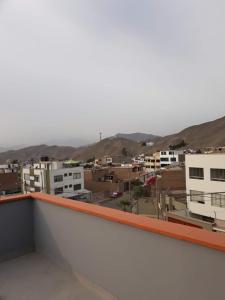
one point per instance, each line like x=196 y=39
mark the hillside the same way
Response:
x=138 y=136
x=203 y=135
x=116 y=147
x=35 y=152
x=197 y=136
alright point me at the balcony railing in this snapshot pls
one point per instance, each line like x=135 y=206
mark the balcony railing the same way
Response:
x=126 y=256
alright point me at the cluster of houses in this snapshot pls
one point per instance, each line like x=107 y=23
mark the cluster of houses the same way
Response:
x=189 y=186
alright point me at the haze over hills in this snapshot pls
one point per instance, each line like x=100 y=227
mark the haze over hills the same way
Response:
x=204 y=135
x=35 y=152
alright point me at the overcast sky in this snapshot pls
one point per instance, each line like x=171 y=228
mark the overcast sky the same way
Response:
x=69 y=68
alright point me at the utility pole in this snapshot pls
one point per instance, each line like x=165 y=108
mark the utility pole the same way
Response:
x=100 y=136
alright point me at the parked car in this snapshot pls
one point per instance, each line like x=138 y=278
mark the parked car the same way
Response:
x=116 y=194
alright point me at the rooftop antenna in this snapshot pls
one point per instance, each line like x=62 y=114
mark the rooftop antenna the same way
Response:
x=100 y=136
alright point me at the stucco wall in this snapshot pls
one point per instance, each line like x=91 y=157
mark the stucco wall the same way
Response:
x=129 y=263
x=205 y=161
x=16 y=229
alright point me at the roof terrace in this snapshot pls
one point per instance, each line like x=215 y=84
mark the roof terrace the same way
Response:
x=54 y=248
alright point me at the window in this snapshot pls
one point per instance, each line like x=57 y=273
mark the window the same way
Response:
x=58 y=178
x=173 y=159
x=37 y=189
x=36 y=178
x=76 y=175
x=26 y=176
x=217 y=174
x=164 y=159
x=163 y=153
x=171 y=153
x=70 y=174
x=197 y=196
x=65 y=175
x=164 y=165
x=66 y=186
x=70 y=186
x=196 y=173
x=59 y=190
x=77 y=187
x=218 y=200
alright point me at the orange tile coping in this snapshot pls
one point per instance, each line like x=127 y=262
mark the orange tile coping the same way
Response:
x=197 y=236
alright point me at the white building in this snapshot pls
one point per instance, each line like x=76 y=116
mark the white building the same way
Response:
x=140 y=159
x=170 y=157
x=205 y=183
x=65 y=179
x=9 y=168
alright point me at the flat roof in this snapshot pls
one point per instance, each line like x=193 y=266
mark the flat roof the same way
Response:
x=181 y=232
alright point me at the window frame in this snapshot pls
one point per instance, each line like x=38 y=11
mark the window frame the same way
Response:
x=196 y=176
x=219 y=198
x=197 y=196
x=78 y=184
x=58 y=176
x=58 y=188
x=221 y=176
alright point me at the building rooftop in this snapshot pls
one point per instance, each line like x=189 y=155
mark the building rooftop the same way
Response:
x=55 y=248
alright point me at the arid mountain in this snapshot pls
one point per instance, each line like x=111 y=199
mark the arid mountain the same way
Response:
x=197 y=136
x=138 y=137
x=35 y=152
x=119 y=148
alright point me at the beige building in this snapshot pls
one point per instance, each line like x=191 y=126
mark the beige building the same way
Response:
x=152 y=162
x=205 y=183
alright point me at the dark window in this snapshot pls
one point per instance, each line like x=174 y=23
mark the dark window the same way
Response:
x=70 y=186
x=65 y=175
x=164 y=165
x=37 y=189
x=218 y=200
x=70 y=174
x=171 y=153
x=217 y=174
x=197 y=196
x=59 y=190
x=164 y=159
x=66 y=186
x=196 y=173
x=36 y=178
x=58 y=178
x=173 y=159
x=77 y=187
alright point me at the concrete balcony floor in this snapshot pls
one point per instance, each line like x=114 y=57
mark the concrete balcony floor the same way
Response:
x=34 y=277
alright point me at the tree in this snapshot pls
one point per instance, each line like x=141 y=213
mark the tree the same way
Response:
x=138 y=192
x=136 y=182
x=125 y=204
x=124 y=152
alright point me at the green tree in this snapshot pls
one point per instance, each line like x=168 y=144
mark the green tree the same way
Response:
x=138 y=192
x=125 y=204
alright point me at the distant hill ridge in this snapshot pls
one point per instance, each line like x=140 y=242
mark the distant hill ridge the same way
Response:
x=138 y=136
x=204 y=135
x=209 y=134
